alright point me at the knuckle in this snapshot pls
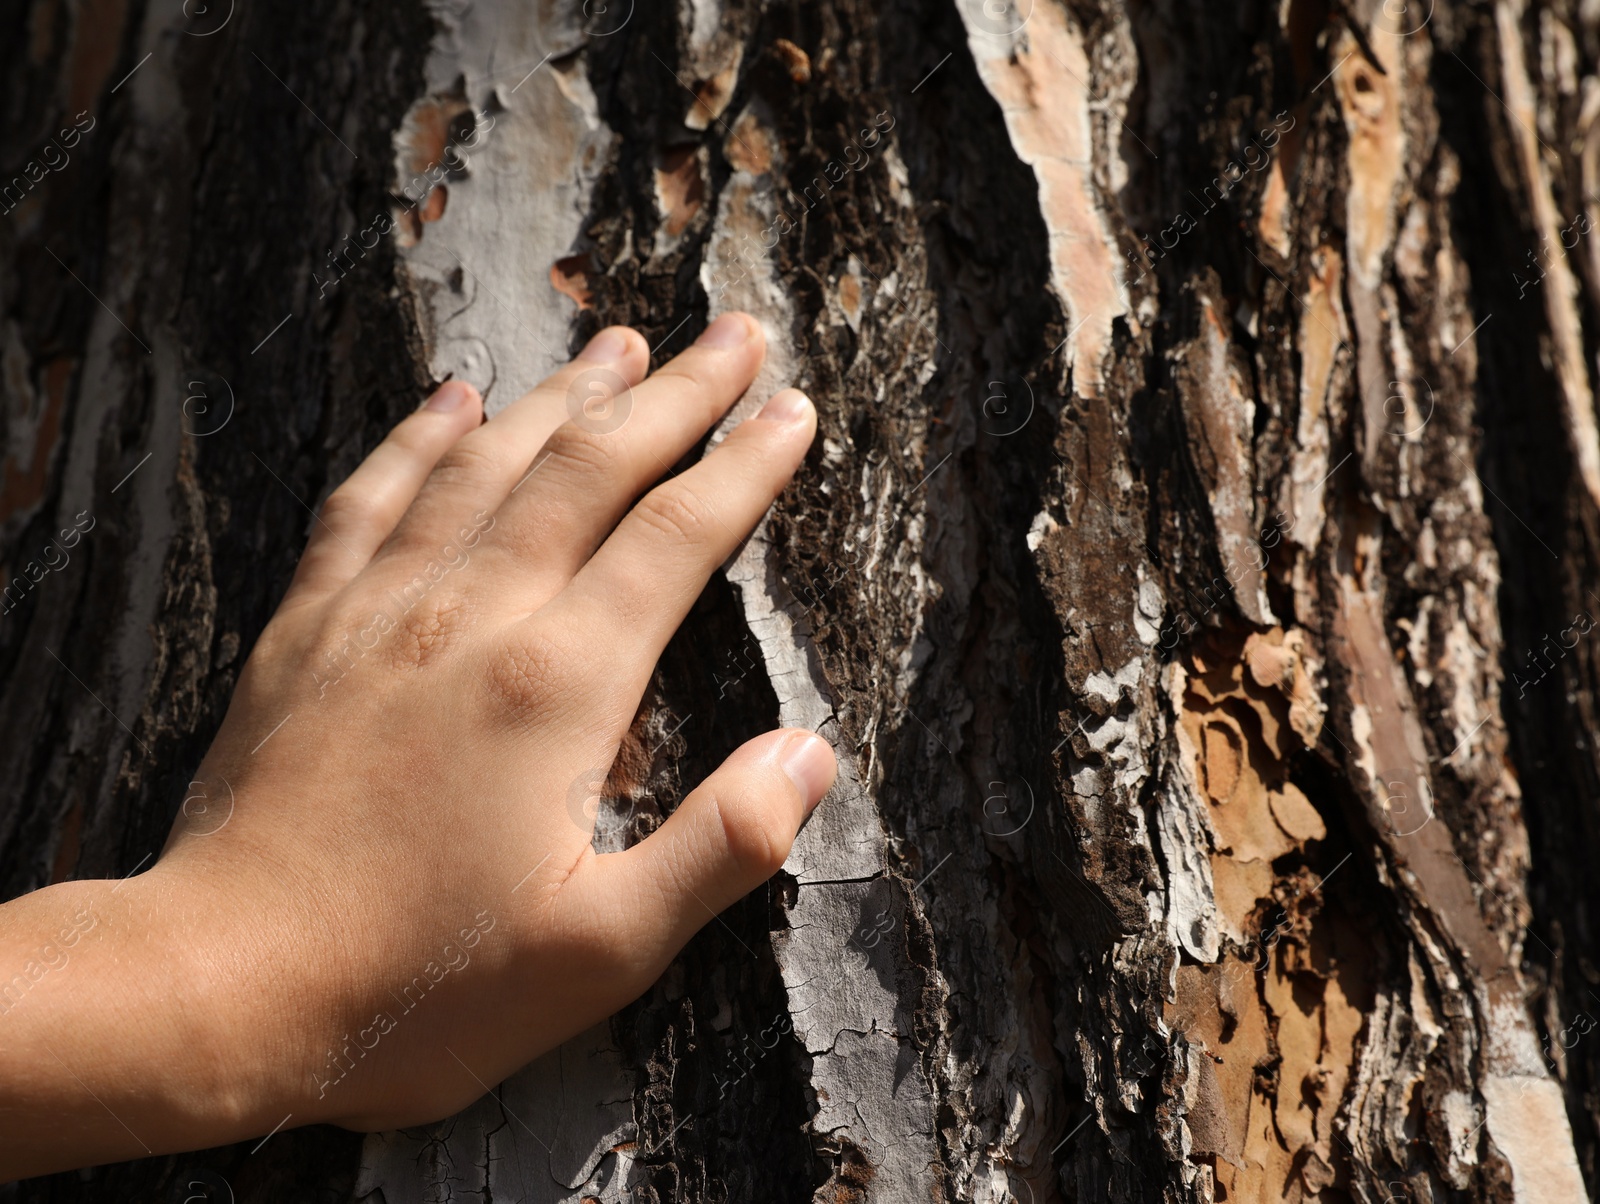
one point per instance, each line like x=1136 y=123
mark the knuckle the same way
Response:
x=276 y=648
x=696 y=383
x=428 y=629
x=756 y=842
x=468 y=462
x=576 y=450
x=415 y=436
x=346 y=507
x=530 y=675
x=676 y=512
x=273 y=644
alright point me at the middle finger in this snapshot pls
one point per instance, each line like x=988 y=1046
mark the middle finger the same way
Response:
x=589 y=473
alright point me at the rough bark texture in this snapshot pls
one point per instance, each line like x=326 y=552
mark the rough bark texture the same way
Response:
x=1194 y=569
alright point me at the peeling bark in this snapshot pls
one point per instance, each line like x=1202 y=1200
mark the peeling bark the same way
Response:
x=1194 y=569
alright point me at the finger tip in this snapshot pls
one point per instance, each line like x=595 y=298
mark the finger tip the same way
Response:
x=808 y=761
x=790 y=407
x=735 y=331
x=758 y=341
x=622 y=347
x=455 y=396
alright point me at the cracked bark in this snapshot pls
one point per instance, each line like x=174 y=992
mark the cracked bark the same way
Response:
x=1193 y=568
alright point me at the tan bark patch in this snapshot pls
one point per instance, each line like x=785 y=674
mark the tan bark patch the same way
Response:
x=1372 y=116
x=571 y=276
x=23 y=482
x=711 y=96
x=1560 y=285
x=1040 y=83
x=680 y=188
x=1220 y=414
x=1273 y=1026
x=433 y=209
x=796 y=60
x=1242 y=730
x=1321 y=336
x=751 y=147
x=1276 y=211
x=96 y=42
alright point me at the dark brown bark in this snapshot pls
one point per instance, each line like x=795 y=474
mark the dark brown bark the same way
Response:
x=1202 y=618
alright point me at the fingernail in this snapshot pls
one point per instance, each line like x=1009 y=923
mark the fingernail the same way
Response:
x=607 y=347
x=789 y=406
x=808 y=762
x=727 y=332
x=449 y=397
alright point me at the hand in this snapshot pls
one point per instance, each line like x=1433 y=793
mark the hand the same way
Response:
x=399 y=909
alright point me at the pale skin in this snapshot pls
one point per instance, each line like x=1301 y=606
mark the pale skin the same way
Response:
x=400 y=909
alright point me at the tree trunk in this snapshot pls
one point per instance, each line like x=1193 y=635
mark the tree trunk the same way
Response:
x=1194 y=569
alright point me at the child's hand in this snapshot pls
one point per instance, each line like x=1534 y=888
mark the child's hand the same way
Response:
x=401 y=909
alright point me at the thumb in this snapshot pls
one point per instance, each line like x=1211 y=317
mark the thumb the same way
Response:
x=726 y=838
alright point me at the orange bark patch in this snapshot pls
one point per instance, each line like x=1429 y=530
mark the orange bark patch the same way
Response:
x=1249 y=704
x=23 y=484
x=1321 y=337
x=1227 y=1029
x=433 y=208
x=1371 y=105
x=408 y=227
x=96 y=42
x=425 y=132
x=421 y=147
x=571 y=276
x=653 y=732
x=750 y=147
x=1272 y=1028
x=795 y=60
x=850 y=297
x=1275 y=211
x=711 y=97
x=680 y=188
x=66 y=858
x=1272 y=1040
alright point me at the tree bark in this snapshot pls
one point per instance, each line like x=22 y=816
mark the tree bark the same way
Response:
x=1194 y=569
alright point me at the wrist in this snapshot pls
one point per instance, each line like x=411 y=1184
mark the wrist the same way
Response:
x=118 y=1038
x=247 y=993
